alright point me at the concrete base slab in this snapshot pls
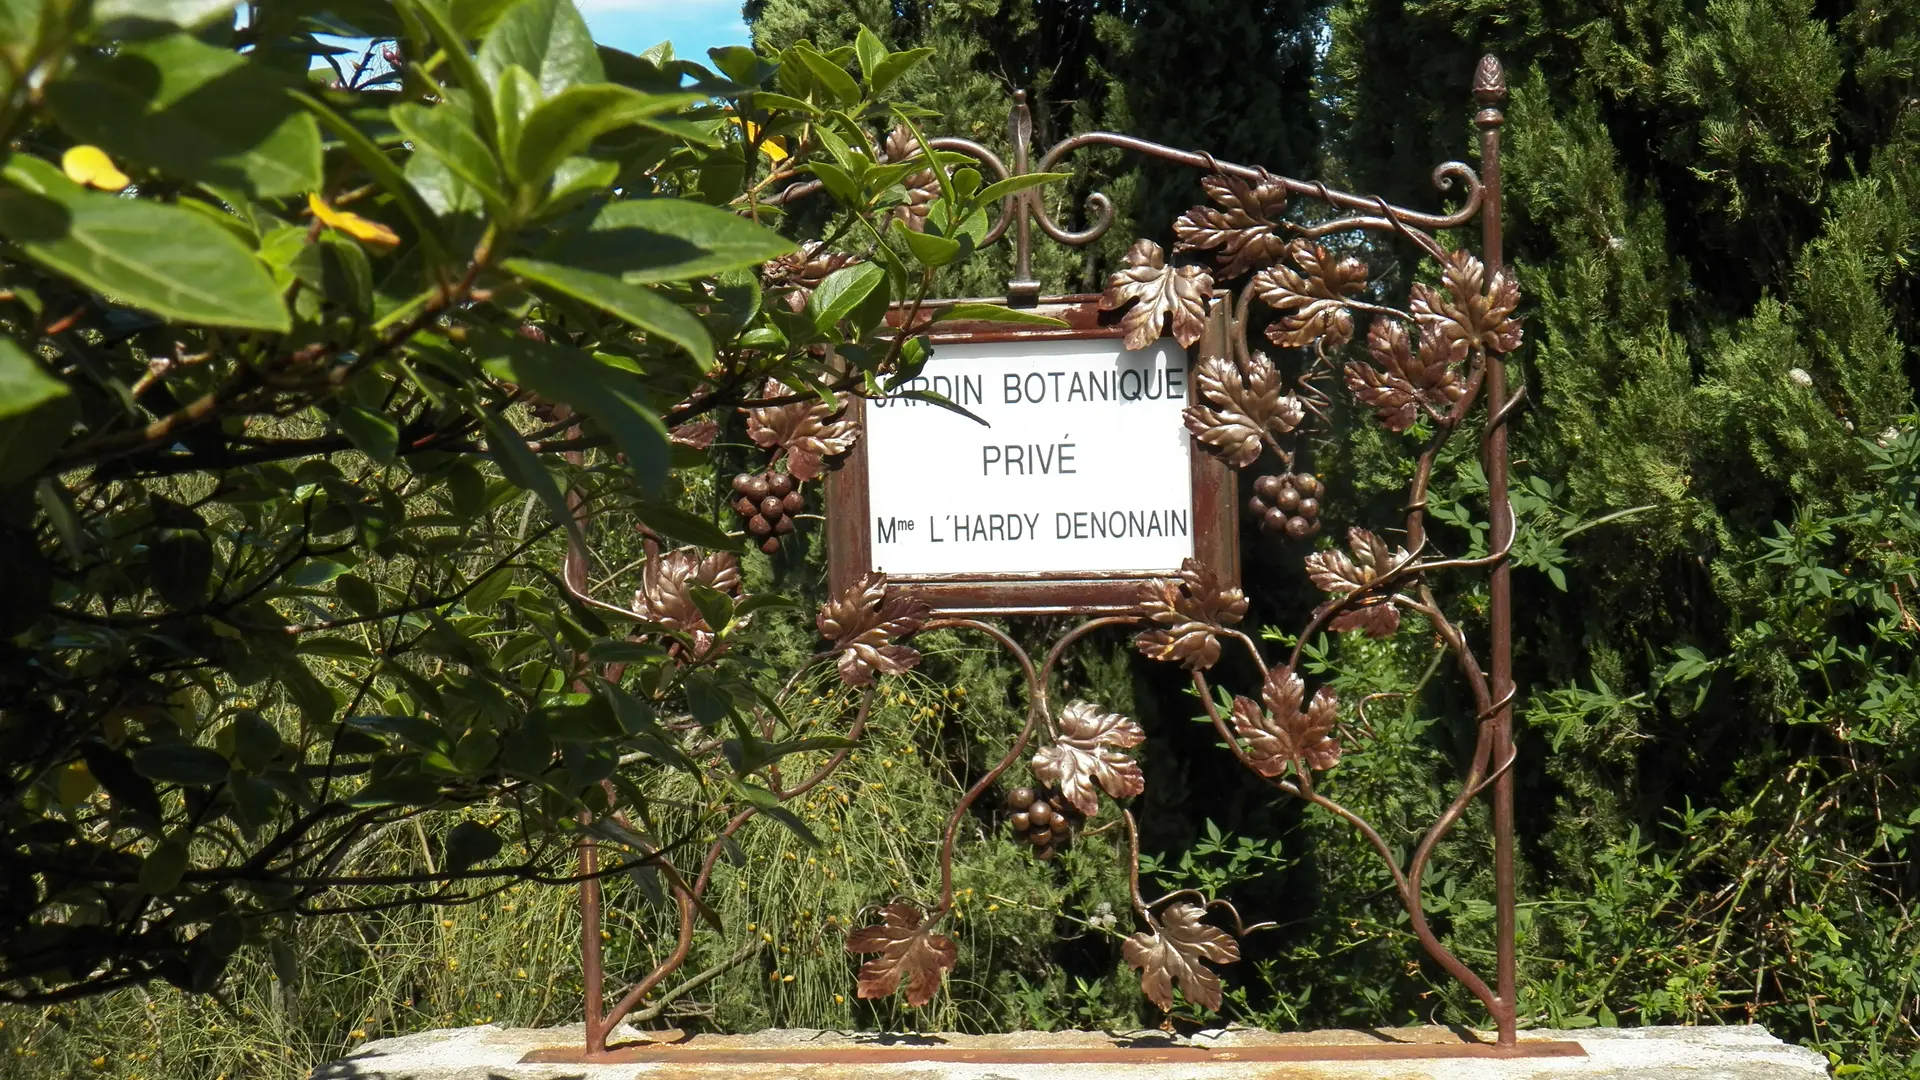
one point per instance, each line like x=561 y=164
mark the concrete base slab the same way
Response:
x=496 y=1053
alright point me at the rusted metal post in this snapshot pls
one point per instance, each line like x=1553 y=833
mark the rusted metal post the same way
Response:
x=593 y=966
x=1490 y=91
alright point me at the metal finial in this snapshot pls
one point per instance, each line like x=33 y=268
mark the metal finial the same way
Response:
x=1490 y=81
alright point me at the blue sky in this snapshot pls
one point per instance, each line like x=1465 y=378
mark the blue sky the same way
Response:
x=694 y=26
x=634 y=26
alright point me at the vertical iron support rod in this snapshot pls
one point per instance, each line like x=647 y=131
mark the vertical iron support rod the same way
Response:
x=592 y=965
x=1023 y=289
x=1490 y=92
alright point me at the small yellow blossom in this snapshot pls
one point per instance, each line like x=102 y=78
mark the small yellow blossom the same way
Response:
x=775 y=147
x=91 y=166
x=361 y=229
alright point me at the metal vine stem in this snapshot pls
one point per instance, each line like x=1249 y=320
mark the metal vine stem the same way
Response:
x=1464 y=327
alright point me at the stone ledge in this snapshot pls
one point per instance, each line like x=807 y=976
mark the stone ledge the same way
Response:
x=495 y=1053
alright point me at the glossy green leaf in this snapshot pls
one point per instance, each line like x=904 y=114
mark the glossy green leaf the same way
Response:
x=931 y=250
x=871 y=52
x=841 y=292
x=567 y=123
x=888 y=71
x=145 y=254
x=36 y=412
x=180 y=563
x=193 y=111
x=508 y=448
x=665 y=239
x=469 y=844
x=373 y=434
x=832 y=77
x=636 y=304
x=546 y=37
x=994 y=313
x=447 y=135
x=607 y=395
x=676 y=524
x=161 y=870
x=410 y=730
x=179 y=763
x=1002 y=188
x=188 y=13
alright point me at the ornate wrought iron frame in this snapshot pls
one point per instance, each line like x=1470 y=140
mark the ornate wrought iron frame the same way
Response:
x=1285 y=738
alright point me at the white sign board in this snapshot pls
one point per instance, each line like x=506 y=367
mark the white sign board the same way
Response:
x=1085 y=464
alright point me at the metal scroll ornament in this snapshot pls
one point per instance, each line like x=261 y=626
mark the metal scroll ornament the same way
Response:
x=1436 y=359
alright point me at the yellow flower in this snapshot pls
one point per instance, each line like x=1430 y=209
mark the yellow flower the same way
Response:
x=775 y=148
x=91 y=166
x=367 y=232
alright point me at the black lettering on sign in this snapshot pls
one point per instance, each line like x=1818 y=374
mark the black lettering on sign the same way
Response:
x=991 y=528
x=959 y=389
x=1118 y=524
x=1028 y=459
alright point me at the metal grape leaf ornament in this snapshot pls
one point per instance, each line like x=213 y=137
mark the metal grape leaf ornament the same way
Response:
x=1406 y=380
x=808 y=431
x=1087 y=752
x=665 y=594
x=1242 y=404
x=1188 y=614
x=1333 y=572
x=1173 y=954
x=1469 y=309
x=1284 y=735
x=866 y=624
x=910 y=952
x=1159 y=292
x=1243 y=230
x=1311 y=300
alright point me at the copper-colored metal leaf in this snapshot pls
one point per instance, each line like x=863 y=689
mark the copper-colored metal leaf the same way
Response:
x=1243 y=231
x=698 y=434
x=796 y=274
x=922 y=187
x=1335 y=573
x=866 y=624
x=909 y=951
x=1087 y=752
x=809 y=431
x=1282 y=735
x=1433 y=371
x=1310 y=300
x=1390 y=396
x=665 y=595
x=1467 y=308
x=1188 y=612
x=1161 y=292
x=1241 y=403
x=1173 y=953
